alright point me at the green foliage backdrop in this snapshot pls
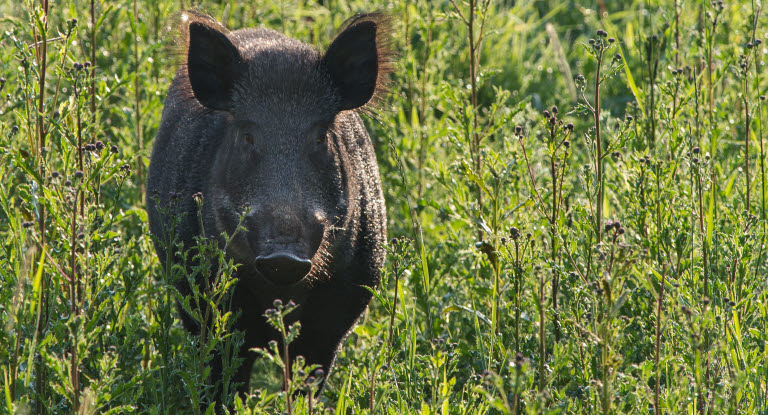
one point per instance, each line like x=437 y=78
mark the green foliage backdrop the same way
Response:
x=575 y=191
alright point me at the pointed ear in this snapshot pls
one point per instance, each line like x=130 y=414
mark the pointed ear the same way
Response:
x=213 y=66
x=354 y=62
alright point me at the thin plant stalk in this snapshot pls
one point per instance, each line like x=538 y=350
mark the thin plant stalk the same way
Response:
x=93 y=63
x=137 y=102
x=41 y=322
x=657 y=357
x=598 y=151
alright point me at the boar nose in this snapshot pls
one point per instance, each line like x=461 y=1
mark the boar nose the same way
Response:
x=283 y=268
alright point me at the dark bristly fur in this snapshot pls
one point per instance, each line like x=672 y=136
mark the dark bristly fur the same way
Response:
x=275 y=135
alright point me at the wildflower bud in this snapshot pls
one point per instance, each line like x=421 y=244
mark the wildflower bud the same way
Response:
x=621 y=231
x=113 y=149
x=566 y=143
x=749 y=45
x=611 y=40
x=617 y=56
x=100 y=145
x=514 y=233
x=705 y=301
x=80 y=235
x=608 y=226
x=569 y=126
x=384 y=367
x=528 y=235
x=696 y=150
x=27 y=224
x=602 y=33
x=319 y=373
x=554 y=109
x=732 y=303
x=56 y=114
x=519 y=357
x=67 y=182
x=277 y=303
x=55 y=174
x=552 y=121
x=311 y=380
x=546 y=114
x=78 y=174
x=291 y=304
x=630 y=118
x=592 y=42
x=272 y=343
x=695 y=160
x=90 y=147
x=758 y=42
x=87 y=64
x=125 y=168
x=762 y=97
x=616 y=154
x=518 y=130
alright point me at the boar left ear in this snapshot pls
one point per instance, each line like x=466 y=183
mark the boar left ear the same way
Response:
x=212 y=65
x=359 y=59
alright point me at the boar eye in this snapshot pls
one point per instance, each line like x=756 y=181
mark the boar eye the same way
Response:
x=248 y=138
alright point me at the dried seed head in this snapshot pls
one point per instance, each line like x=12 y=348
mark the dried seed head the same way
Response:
x=78 y=174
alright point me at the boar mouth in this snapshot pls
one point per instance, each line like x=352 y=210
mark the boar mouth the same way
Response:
x=283 y=268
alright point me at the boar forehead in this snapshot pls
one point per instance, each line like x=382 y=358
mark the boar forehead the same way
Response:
x=281 y=80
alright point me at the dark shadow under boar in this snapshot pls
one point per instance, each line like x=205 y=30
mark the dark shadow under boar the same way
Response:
x=254 y=118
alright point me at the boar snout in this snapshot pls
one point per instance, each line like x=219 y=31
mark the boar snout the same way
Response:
x=284 y=243
x=283 y=268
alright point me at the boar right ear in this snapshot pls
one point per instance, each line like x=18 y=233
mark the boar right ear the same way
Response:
x=359 y=59
x=212 y=65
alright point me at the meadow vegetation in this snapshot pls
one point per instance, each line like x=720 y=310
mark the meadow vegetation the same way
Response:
x=575 y=190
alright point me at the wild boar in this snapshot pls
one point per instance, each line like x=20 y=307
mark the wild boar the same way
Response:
x=256 y=118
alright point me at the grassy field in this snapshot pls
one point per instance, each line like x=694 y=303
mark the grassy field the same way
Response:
x=575 y=190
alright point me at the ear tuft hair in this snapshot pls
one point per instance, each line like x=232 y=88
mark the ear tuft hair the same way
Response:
x=359 y=61
x=215 y=63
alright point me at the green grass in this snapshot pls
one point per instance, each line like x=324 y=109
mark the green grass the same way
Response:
x=508 y=289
